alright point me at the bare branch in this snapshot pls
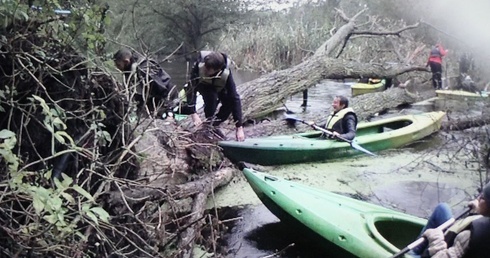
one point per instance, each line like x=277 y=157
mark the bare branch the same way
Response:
x=383 y=33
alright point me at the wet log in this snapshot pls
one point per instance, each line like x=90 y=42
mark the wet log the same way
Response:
x=262 y=96
x=204 y=187
x=465 y=123
x=130 y=196
x=367 y=104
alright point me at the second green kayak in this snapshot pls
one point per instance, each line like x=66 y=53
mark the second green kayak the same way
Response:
x=363 y=88
x=359 y=228
x=307 y=147
x=460 y=95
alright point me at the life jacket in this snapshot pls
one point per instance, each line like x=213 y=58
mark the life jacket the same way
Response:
x=435 y=52
x=219 y=80
x=158 y=80
x=457 y=227
x=480 y=239
x=334 y=121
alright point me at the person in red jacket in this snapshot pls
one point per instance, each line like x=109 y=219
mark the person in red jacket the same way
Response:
x=435 y=63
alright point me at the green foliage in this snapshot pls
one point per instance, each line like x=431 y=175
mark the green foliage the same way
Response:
x=276 y=40
x=165 y=25
x=54 y=215
x=12 y=11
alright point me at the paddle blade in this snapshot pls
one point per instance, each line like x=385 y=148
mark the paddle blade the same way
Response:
x=358 y=147
x=291 y=120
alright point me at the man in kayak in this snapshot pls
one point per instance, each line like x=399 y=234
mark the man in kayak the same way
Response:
x=147 y=80
x=435 y=63
x=469 y=237
x=342 y=122
x=212 y=78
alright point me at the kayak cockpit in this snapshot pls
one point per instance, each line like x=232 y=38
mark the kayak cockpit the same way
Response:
x=394 y=232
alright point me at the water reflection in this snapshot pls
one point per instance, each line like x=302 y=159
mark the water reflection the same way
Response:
x=418 y=198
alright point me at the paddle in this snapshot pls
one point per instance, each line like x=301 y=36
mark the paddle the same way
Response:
x=316 y=127
x=421 y=240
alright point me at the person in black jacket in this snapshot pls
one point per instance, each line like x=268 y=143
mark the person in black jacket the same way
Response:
x=148 y=81
x=212 y=78
x=342 y=121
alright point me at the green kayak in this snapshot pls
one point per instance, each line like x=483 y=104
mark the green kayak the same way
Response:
x=360 y=228
x=363 y=88
x=460 y=94
x=307 y=147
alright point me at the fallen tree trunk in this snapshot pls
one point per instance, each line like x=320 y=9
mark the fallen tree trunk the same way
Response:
x=465 y=123
x=262 y=96
x=367 y=104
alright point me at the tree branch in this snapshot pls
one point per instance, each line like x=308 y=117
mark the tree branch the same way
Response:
x=383 y=33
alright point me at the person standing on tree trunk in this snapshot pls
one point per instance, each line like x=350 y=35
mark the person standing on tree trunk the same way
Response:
x=435 y=63
x=212 y=78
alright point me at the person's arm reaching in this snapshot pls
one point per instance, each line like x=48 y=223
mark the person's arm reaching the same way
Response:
x=236 y=111
x=191 y=94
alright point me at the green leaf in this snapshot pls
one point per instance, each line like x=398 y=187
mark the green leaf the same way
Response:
x=48 y=174
x=68 y=197
x=81 y=236
x=86 y=207
x=67 y=136
x=67 y=181
x=43 y=104
x=48 y=126
x=4 y=134
x=54 y=203
x=103 y=215
x=61 y=219
x=92 y=217
x=59 y=138
x=51 y=218
x=9 y=143
x=59 y=124
x=83 y=192
x=38 y=204
x=59 y=185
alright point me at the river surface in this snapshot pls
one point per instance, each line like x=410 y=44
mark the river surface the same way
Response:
x=412 y=179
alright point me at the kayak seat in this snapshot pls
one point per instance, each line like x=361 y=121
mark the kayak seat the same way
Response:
x=398 y=232
x=394 y=126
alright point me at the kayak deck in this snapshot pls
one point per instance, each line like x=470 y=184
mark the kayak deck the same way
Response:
x=373 y=136
x=358 y=227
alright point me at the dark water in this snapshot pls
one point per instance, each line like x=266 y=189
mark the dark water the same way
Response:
x=260 y=234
